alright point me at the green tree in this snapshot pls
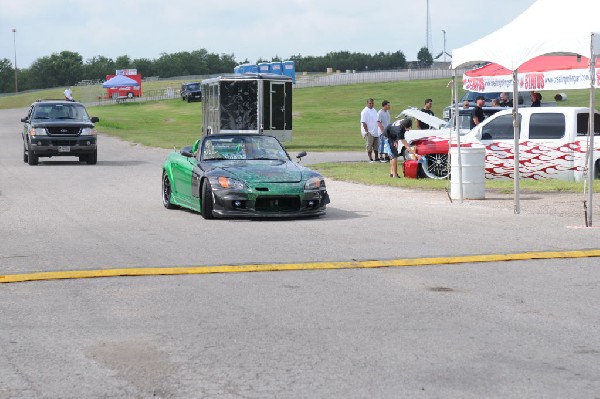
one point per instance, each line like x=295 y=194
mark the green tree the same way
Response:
x=7 y=76
x=98 y=67
x=123 y=62
x=424 y=58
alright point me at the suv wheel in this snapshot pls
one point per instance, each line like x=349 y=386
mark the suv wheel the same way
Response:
x=32 y=159
x=92 y=158
x=25 y=156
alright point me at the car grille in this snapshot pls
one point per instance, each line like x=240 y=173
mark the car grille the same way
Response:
x=71 y=143
x=277 y=204
x=64 y=131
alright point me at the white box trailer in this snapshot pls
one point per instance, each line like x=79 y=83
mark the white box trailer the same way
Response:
x=248 y=103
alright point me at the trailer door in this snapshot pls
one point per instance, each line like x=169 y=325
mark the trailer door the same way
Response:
x=277 y=106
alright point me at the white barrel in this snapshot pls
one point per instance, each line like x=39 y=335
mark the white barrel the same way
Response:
x=473 y=173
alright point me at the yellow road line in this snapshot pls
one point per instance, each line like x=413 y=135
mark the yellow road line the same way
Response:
x=155 y=271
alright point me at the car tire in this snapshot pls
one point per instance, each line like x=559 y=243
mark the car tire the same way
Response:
x=436 y=166
x=167 y=191
x=32 y=159
x=130 y=95
x=189 y=99
x=25 y=155
x=92 y=159
x=207 y=200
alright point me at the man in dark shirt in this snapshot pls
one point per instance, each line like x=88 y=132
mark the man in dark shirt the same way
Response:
x=478 y=115
x=504 y=101
x=427 y=110
x=394 y=134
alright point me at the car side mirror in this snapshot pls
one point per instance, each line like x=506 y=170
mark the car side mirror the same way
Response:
x=187 y=152
x=24 y=119
x=300 y=155
x=95 y=119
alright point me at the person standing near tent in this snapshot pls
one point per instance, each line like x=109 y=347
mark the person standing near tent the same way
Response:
x=536 y=99
x=368 y=121
x=504 y=101
x=69 y=94
x=478 y=115
x=383 y=120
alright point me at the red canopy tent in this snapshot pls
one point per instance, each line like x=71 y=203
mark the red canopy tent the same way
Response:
x=544 y=72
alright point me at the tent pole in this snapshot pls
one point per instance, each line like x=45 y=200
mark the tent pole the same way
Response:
x=517 y=131
x=591 y=141
x=456 y=129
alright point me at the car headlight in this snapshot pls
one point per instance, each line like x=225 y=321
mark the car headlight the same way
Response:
x=228 y=182
x=37 y=131
x=409 y=156
x=314 y=183
x=88 y=131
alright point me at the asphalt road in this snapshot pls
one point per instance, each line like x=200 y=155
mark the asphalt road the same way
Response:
x=497 y=329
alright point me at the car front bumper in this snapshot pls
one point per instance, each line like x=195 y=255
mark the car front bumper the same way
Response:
x=243 y=204
x=62 y=146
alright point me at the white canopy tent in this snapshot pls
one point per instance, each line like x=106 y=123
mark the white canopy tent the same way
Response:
x=569 y=27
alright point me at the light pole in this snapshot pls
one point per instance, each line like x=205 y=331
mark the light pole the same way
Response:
x=15 y=45
x=444 y=32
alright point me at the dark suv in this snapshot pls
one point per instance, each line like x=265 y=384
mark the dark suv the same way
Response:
x=470 y=96
x=59 y=128
x=191 y=91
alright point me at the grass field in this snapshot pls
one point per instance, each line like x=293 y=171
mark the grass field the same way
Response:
x=324 y=119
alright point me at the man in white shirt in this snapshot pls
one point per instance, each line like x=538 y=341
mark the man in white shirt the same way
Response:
x=369 y=129
x=68 y=94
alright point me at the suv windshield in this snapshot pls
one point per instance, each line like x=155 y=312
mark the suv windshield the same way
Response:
x=193 y=86
x=471 y=96
x=61 y=111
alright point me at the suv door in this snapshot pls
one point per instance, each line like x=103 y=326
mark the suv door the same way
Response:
x=498 y=138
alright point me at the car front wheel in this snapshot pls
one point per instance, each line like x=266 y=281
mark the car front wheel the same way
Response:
x=32 y=159
x=92 y=159
x=207 y=200
x=436 y=166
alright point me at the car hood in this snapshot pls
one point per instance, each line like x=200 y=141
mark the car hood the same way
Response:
x=262 y=171
x=423 y=117
x=61 y=123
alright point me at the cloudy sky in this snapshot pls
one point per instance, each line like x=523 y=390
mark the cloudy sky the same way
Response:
x=247 y=29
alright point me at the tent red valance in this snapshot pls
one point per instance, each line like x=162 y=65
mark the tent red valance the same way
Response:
x=544 y=72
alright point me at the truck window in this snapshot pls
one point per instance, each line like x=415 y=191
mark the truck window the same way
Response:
x=582 y=124
x=547 y=126
x=500 y=128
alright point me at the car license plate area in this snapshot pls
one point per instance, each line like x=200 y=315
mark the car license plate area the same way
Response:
x=277 y=204
x=64 y=148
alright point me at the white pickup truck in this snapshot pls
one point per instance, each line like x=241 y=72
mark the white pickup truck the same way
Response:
x=553 y=144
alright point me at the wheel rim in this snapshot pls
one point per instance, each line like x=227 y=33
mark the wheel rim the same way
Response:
x=166 y=190
x=436 y=166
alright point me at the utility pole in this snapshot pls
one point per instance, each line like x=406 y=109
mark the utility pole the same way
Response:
x=428 y=30
x=15 y=45
x=444 y=32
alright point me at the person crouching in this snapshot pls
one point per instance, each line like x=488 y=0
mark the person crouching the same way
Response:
x=393 y=134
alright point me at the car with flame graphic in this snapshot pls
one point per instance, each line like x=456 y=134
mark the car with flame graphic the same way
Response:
x=553 y=143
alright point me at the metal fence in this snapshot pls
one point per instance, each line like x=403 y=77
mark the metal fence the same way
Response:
x=350 y=77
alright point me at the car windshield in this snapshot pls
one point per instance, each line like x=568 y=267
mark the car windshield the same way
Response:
x=471 y=96
x=194 y=86
x=61 y=111
x=243 y=147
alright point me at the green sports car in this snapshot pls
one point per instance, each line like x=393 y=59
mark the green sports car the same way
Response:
x=241 y=175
